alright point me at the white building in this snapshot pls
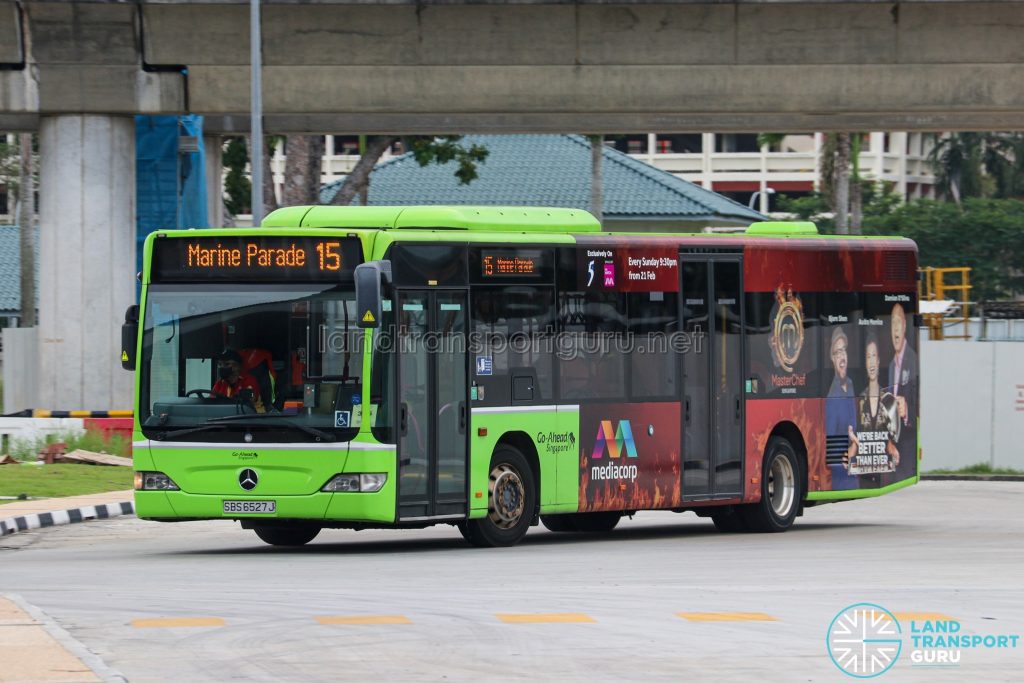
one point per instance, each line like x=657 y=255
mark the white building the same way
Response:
x=732 y=164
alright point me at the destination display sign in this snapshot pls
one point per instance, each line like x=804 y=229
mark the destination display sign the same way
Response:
x=511 y=264
x=498 y=262
x=255 y=259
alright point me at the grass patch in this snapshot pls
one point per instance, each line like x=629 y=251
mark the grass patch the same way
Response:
x=980 y=468
x=50 y=481
x=27 y=450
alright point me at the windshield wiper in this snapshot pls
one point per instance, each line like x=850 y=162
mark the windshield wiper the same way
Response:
x=190 y=430
x=321 y=435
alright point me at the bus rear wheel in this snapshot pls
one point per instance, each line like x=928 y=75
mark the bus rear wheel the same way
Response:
x=511 y=502
x=780 y=490
x=290 y=535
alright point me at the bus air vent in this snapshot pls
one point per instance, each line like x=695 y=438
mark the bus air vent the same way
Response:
x=895 y=266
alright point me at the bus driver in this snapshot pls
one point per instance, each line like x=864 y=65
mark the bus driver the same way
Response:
x=232 y=381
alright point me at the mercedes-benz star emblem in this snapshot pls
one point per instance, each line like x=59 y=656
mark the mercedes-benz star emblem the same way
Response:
x=248 y=479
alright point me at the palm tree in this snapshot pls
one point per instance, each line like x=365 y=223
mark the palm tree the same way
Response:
x=302 y=169
x=957 y=160
x=841 y=184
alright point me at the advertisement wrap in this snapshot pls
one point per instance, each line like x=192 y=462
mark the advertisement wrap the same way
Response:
x=629 y=456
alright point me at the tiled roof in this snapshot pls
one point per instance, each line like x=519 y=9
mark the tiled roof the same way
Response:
x=550 y=170
x=10 y=269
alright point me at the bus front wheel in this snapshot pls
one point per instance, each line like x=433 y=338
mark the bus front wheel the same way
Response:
x=293 y=535
x=780 y=490
x=511 y=502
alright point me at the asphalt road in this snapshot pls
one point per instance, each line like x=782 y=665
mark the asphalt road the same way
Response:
x=208 y=601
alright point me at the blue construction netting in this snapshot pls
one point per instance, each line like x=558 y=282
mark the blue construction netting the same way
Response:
x=170 y=178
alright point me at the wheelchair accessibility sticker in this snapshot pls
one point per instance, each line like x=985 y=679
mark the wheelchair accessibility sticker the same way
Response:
x=342 y=418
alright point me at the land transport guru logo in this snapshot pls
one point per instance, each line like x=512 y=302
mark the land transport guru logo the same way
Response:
x=865 y=640
x=616 y=441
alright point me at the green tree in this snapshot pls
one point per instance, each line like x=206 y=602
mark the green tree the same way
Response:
x=237 y=185
x=986 y=235
x=425 y=150
x=957 y=161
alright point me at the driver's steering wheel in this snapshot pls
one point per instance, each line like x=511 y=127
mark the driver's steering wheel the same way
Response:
x=202 y=393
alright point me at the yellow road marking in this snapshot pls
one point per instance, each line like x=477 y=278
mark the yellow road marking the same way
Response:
x=370 y=619
x=557 y=618
x=923 y=616
x=178 y=622
x=726 y=616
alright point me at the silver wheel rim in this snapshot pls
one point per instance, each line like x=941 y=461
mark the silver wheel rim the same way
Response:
x=507 y=498
x=781 y=486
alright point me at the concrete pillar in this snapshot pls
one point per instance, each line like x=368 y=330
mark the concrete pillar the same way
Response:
x=86 y=259
x=707 y=148
x=214 y=155
x=899 y=141
x=819 y=143
x=763 y=185
x=878 y=150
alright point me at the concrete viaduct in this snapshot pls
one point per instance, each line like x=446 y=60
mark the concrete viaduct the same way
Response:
x=77 y=71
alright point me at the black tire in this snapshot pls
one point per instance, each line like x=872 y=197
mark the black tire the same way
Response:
x=558 y=522
x=290 y=535
x=781 y=490
x=596 y=522
x=511 y=502
x=728 y=521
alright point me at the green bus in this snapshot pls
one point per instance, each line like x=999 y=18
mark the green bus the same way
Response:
x=498 y=367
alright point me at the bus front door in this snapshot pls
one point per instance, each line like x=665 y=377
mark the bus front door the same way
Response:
x=712 y=316
x=433 y=404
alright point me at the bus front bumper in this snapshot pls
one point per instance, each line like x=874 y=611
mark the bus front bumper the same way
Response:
x=170 y=506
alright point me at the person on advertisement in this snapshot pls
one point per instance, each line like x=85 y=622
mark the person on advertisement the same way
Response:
x=903 y=368
x=841 y=409
x=903 y=385
x=874 y=443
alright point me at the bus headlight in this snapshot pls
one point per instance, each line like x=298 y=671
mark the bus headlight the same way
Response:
x=154 y=481
x=356 y=483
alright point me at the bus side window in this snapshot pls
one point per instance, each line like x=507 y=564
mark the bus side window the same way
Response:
x=653 y=319
x=513 y=331
x=592 y=329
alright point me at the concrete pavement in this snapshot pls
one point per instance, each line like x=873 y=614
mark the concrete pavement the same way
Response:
x=664 y=597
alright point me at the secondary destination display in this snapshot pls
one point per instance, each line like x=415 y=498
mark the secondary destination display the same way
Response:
x=511 y=262
x=274 y=258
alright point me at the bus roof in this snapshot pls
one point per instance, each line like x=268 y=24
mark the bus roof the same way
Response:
x=493 y=218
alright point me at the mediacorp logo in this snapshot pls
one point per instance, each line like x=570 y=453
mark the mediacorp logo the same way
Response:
x=616 y=441
x=865 y=640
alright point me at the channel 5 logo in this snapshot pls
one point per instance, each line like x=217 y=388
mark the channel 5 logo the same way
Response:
x=616 y=441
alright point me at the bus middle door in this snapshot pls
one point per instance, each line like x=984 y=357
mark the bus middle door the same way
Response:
x=433 y=404
x=712 y=315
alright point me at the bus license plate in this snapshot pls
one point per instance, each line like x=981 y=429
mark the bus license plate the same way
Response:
x=250 y=507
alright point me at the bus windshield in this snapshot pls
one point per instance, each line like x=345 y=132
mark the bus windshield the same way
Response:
x=278 y=362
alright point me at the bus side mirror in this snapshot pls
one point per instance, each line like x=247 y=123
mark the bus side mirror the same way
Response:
x=370 y=279
x=129 y=337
